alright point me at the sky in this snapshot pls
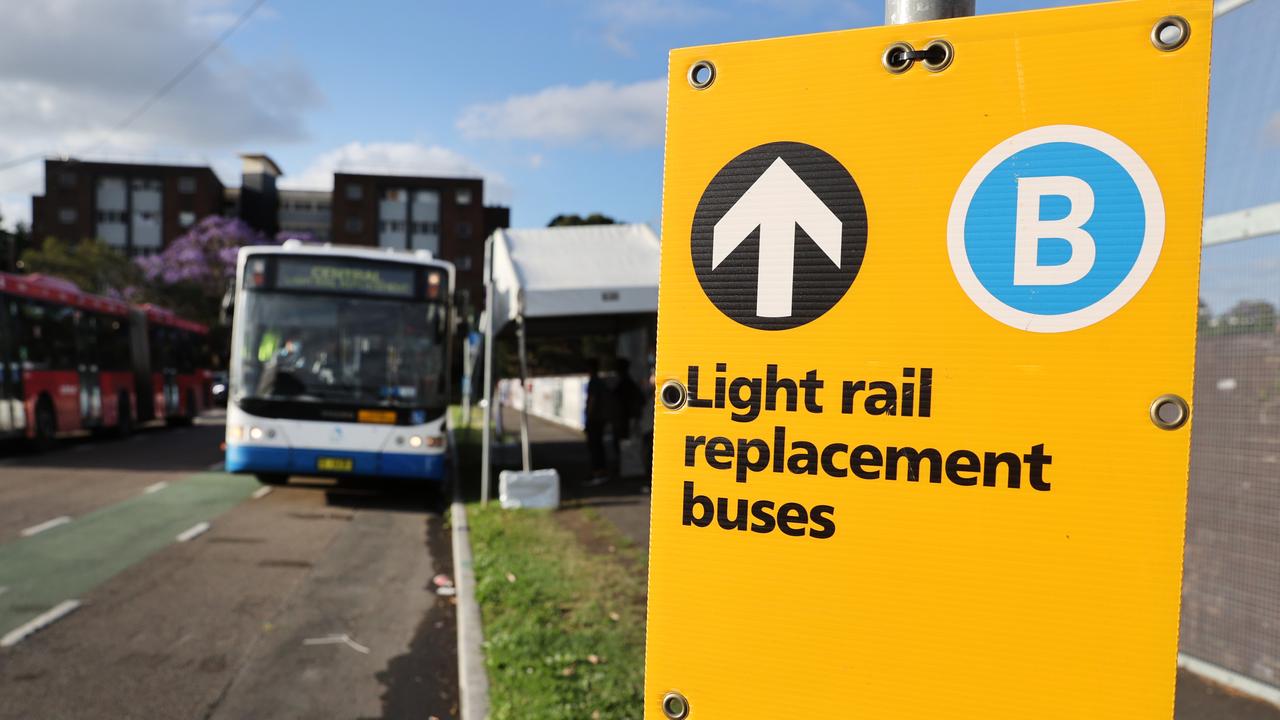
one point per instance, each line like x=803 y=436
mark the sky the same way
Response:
x=558 y=104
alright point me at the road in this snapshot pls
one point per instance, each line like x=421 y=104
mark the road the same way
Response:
x=308 y=601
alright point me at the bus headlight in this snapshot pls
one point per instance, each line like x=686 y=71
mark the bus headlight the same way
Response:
x=235 y=432
x=435 y=441
x=415 y=441
x=255 y=433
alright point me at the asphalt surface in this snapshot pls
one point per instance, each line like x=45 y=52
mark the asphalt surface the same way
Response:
x=310 y=601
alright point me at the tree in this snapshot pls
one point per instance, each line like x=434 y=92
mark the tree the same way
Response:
x=92 y=265
x=592 y=219
x=12 y=244
x=192 y=274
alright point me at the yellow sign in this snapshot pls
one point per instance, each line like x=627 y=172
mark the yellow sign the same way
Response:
x=927 y=317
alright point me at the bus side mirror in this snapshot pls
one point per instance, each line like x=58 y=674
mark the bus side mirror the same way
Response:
x=228 y=308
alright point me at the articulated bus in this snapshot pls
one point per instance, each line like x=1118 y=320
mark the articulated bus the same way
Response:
x=339 y=363
x=73 y=361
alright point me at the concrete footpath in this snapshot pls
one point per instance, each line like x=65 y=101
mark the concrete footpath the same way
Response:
x=623 y=505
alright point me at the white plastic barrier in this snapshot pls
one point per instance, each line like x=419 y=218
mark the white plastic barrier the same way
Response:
x=533 y=489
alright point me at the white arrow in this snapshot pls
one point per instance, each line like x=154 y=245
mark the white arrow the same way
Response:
x=776 y=203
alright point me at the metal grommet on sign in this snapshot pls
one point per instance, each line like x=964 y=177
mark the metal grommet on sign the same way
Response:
x=674 y=706
x=898 y=57
x=1170 y=412
x=702 y=74
x=673 y=395
x=1170 y=33
x=938 y=55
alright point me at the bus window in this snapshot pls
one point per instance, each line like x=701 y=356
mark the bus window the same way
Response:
x=33 y=336
x=162 y=348
x=113 y=343
x=86 y=334
x=61 y=327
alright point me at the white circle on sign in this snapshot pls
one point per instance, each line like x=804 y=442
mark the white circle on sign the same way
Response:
x=1130 y=245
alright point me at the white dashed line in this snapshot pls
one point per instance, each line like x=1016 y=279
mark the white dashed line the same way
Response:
x=154 y=487
x=46 y=525
x=216 y=466
x=193 y=532
x=39 y=622
x=3 y=590
x=261 y=492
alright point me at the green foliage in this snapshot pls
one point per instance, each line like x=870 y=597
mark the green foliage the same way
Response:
x=93 y=266
x=12 y=244
x=564 y=628
x=592 y=219
x=1247 y=316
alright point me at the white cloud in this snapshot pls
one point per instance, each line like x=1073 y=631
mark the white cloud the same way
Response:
x=395 y=158
x=72 y=70
x=630 y=115
x=619 y=18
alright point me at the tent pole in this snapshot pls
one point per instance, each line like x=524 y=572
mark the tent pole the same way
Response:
x=524 y=397
x=485 y=445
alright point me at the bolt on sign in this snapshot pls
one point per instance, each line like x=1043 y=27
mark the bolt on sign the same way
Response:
x=927 y=325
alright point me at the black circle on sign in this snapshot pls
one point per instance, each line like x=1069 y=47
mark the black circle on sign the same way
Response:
x=817 y=282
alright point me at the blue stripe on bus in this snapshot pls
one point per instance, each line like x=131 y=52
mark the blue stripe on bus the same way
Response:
x=302 y=461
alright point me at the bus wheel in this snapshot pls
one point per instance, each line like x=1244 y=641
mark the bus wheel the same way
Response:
x=46 y=426
x=124 y=417
x=272 y=478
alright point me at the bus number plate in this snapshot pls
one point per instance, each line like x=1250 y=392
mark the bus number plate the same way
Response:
x=330 y=464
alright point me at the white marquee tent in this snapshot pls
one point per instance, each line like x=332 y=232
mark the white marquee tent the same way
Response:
x=564 y=281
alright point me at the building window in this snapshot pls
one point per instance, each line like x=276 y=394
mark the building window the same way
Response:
x=464 y=229
x=67 y=216
x=426 y=228
x=67 y=179
x=394 y=195
x=187 y=185
x=186 y=218
x=464 y=262
x=353 y=224
x=354 y=191
x=463 y=196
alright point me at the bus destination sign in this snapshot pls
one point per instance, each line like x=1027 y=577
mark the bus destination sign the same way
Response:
x=344 y=276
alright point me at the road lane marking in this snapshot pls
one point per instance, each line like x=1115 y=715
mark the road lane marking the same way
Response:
x=193 y=532
x=155 y=487
x=39 y=622
x=3 y=590
x=337 y=639
x=261 y=492
x=217 y=467
x=46 y=525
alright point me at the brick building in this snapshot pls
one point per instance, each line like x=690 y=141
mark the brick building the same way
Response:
x=136 y=208
x=141 y=208
x=446 y=216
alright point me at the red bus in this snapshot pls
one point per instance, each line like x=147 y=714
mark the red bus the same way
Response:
x=169 y=357
x=72 y=361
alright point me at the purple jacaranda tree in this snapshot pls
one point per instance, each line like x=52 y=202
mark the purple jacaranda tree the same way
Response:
x=193 y=272
x=204 y=257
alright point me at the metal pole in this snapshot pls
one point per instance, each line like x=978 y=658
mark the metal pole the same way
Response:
x=524 y=398
x=485 y=448
x=897 y=12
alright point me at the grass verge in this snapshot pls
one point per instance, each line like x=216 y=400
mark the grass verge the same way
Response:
x=564 y=628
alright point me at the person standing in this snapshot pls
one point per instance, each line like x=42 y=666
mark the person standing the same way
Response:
x=597 y=418
x=625 y=407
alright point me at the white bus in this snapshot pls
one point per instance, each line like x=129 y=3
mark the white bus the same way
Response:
x=339 y=363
